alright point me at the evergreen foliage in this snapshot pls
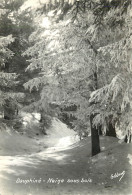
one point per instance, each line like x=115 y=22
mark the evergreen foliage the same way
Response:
x=15 y=28
x=73 y=58
x=85 y=60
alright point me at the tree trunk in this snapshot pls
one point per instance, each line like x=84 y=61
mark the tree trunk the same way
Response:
x=94 y=137
x=128 y=138
x=100 y=130
x=111 y=131
x=10 y=110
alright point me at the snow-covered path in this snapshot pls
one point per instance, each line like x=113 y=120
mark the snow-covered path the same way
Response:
x=64 y=166
x=70 y=171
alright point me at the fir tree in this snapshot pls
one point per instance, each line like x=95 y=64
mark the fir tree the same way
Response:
x=16 y=22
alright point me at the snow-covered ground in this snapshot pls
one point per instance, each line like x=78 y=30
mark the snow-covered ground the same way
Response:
x=59 y=135
x=63 y=164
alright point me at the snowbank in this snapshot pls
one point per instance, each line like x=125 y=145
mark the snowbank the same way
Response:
x=59 y=135
x=12 y=143
x=59 y=129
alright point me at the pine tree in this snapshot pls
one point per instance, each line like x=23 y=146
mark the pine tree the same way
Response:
x=7 y=79
x=112 y=96
x=18 y=23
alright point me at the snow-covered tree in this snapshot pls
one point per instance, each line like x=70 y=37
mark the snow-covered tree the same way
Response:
x=114 y=98
x=7 y=80
x=15 y=25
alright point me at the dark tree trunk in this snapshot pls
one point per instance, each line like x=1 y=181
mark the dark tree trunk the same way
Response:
x=94 y=131
x=100 y=130
x=94 y=137
x=8 y=111
x=111 y=130
x=128 y=138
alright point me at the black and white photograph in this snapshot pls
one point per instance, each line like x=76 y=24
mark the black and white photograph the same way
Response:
x=65 y=97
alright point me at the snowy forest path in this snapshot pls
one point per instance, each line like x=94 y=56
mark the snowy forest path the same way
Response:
x=67 y=171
